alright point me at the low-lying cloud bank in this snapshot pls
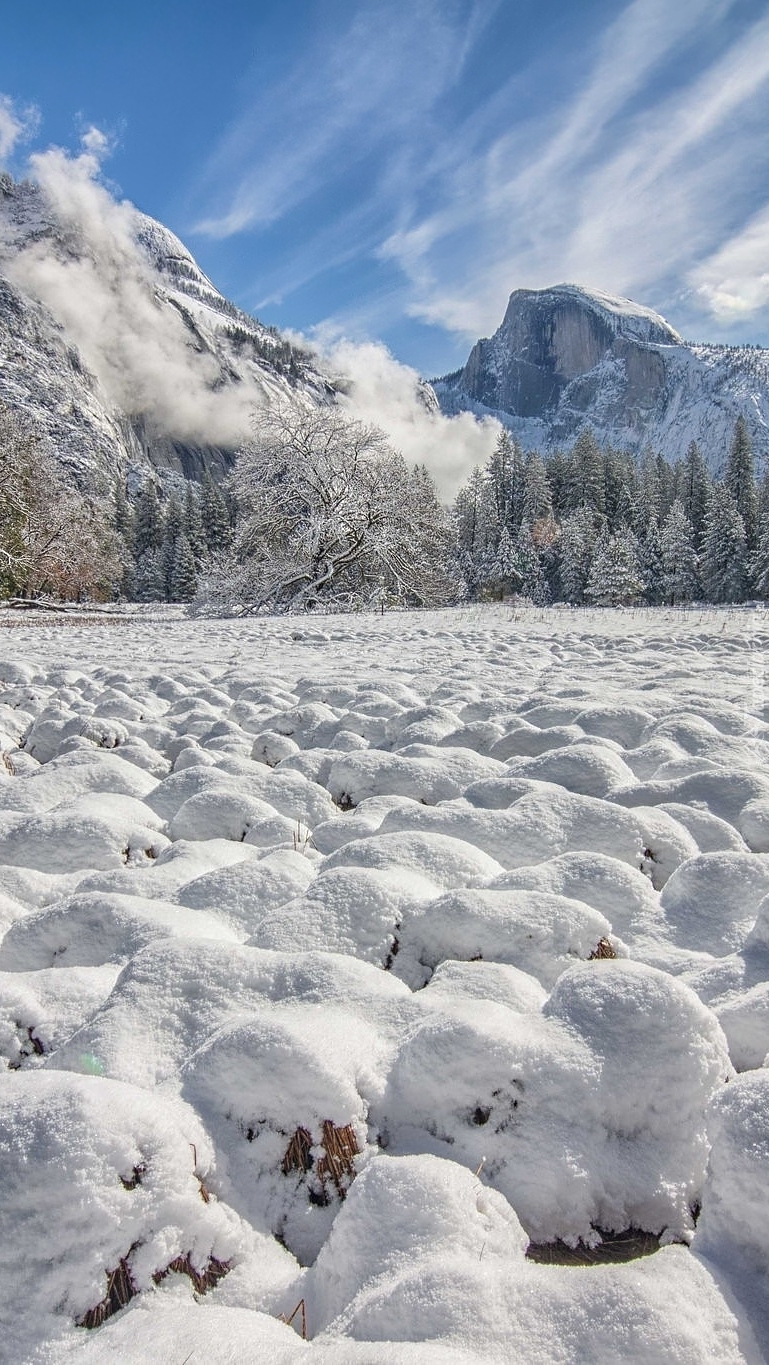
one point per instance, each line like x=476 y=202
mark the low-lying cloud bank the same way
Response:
x=95 y=278
x=391 y=395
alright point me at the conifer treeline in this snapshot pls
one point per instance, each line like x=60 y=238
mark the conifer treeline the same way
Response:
x=165 y=546
x=592 y=526
x=599 y=526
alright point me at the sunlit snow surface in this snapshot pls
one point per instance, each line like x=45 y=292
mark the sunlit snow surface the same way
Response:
x=343 y=958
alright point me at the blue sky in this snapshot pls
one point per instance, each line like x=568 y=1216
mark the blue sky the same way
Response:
x=393 y=170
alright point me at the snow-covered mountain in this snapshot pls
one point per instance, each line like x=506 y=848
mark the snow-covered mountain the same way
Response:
x=117 y=345
x=128 y=358
x=565 y=358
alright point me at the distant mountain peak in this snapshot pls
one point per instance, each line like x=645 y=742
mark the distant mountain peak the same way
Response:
x=623 y=315
x=568 y=357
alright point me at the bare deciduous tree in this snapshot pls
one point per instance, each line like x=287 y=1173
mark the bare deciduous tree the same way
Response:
x=52 y=539
x=330 y=514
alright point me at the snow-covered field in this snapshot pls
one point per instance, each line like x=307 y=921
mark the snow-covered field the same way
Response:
x=377 y=969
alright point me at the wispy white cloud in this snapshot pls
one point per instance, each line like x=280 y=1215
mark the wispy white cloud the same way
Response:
x=355 y=91
x=383 y=391
x=645 y=34
x=17 y=123
x=626 y=187
x=626 y=166
x=734 y=282
x=95 y=143
x=101 y=290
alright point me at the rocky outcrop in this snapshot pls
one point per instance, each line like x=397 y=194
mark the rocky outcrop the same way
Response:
x=565 y=358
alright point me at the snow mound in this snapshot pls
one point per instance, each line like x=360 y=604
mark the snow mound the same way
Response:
x=282 y=1095
x=589 y=769
x=92 y=831
x=436 y=860
x=354 y=910
x=622 y=893
x=535 y=931
x=573 y=1134
x=374 y=987
x=173 y=994
x=100 y=1176
x=735 y=1213
x=711 y=901
x=95 y=928
x=445 y=1214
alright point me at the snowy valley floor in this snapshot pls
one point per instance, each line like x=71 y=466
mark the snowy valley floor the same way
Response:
x=378 y=968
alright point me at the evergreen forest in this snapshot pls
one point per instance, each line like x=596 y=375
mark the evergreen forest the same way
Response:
x=320 y=513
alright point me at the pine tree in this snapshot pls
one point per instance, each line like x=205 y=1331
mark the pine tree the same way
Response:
x=648 y=506
x=558 y=476
x=624 y=507
x=550 y=560
x=666 y=486
x=650 y=558
x=123 y=515
x=475 y=526
x=173 y=530
x=505 y=473
x=183 y=585
x=586 y=481
x=505 y=570
x=615 y=577
x=693 y=488
x=740 y=481
x=215 y=516
x=148 y=533
x=621 y=488
x=537 y=499
x=483 y=574
x=680 y=581
x=124 y=523
x=422 y=569
x=759 y=566
x=529 y=564
x=763 y=497
x=193 y=523
x=149 y=583
x=724 y=550
x=577 y=545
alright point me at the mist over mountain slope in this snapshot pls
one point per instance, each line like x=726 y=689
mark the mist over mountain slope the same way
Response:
x=116 y=344
x=127 y=357
x=567 y=357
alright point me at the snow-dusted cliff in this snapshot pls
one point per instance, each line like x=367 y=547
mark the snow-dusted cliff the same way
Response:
x=117 y=345
x=565 y=358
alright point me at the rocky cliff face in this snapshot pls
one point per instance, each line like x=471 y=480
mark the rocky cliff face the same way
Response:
x=566 y=358
x=122 y=352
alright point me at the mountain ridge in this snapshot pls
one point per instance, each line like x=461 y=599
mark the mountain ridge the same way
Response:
x=567 y=357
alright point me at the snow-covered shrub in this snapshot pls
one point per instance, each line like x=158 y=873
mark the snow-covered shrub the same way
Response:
x=534 y=930
x=106 y=1186
x=280 y=1094
x=589 y=1116
x=734 y=1227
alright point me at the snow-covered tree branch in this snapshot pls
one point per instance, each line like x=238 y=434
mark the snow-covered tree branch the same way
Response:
x=331 y=515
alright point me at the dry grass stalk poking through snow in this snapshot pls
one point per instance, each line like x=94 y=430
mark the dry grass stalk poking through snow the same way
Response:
x=334 y=1165
x=121 y=1289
